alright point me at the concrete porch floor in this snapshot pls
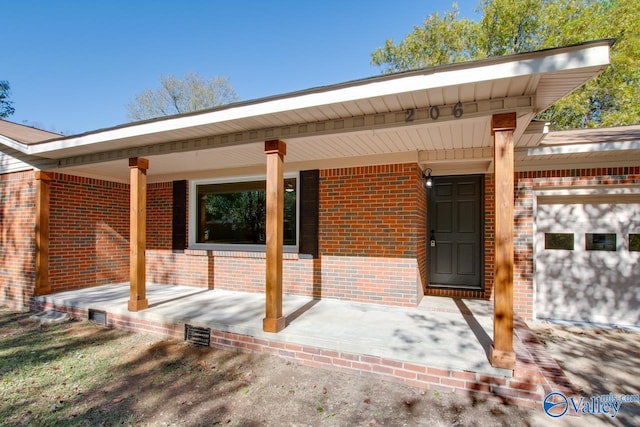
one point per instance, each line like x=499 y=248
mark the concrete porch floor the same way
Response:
x=444 y=333
x=443 y=344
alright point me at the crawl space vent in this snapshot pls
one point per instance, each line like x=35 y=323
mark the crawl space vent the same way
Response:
x=98 y=316
x=198 y=336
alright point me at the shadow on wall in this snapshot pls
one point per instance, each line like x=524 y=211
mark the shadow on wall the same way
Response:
x=599 y=286
x=17 y=241
x=112 y=251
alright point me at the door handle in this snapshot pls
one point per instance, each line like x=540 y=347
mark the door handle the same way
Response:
x=432 y=238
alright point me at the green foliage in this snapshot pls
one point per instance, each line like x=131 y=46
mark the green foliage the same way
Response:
x=240 y=217
x=6 y=106
x=175 y=96
x=510 y=26
x=441 y=40
x=611 y=99
x=244 y=211
x=514 y=26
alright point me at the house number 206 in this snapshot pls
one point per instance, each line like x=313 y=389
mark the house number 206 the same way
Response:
x=434 y=112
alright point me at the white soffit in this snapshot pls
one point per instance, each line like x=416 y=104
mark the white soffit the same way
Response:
x=592 y=147
x=561 y=70
x=611 y=146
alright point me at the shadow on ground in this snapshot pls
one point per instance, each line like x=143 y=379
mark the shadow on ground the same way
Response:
x=77 y=373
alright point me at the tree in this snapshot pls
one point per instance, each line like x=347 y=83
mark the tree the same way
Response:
x=6 y=106
x=441 y=40
x=175 y=96
x=515 y=26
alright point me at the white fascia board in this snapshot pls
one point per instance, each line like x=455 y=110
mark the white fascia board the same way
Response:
x=584 y=148
x=16 y=145
x=479 y=71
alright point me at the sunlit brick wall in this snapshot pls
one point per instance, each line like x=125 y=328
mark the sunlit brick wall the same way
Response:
x=17 y=239
x=371 y=221
x=370 y=211
x=89 y=232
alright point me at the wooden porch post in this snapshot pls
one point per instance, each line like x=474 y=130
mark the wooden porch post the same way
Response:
x=138 y=233
x=502 y=354
x=42 y=286
x=275 y=151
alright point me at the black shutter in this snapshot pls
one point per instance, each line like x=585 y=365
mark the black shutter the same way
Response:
x=179 y=220
x=309 y=212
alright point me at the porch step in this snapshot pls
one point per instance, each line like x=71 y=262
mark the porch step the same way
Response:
x=50 y=316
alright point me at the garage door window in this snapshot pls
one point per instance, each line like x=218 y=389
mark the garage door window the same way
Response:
x=600 y=241
x=634 y=242
x=558 y=241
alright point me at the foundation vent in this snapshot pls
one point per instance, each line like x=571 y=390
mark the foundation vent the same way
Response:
x=197 y=335
x=98 y=316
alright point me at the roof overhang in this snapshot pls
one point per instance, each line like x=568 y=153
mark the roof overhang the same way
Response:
x=439 y=114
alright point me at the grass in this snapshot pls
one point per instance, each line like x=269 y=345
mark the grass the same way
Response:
x=81 y=374
x=50 y=374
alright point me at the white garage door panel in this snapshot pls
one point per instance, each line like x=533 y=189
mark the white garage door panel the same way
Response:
x=588 y=286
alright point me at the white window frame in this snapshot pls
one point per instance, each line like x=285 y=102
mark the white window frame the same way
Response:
x=193 y=215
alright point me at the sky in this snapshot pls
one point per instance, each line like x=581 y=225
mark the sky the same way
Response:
x=74 y=65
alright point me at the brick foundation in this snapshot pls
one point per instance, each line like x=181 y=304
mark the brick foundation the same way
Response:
x=524 y=388
x=389 y=281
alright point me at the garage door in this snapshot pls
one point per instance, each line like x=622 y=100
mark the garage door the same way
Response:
x=587 y=265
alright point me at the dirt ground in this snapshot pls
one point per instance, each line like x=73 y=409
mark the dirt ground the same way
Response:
x=599 y=361
x=78 y=373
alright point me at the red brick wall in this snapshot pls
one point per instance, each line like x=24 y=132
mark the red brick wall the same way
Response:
x=372 y=237
x=159 y=215
x=189 y=268
x=232 y=270
x=17 y=239
x=89 y=232
x=379 y=280
x=370 y=211
x=164 y=266
x=245 y=271
x=525 y=184
x=382 y=267
x=372 y=230
x=421 y=209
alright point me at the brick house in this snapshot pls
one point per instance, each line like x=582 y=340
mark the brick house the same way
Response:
x=378 y=190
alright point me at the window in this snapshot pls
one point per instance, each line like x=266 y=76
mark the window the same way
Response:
x=235 y=212
x=558 y=241
x=634 y=242
x=600 y=241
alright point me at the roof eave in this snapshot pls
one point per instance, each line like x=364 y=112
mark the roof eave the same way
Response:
x=590 y=54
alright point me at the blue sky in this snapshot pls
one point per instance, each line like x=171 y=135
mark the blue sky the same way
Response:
x=74 y=65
